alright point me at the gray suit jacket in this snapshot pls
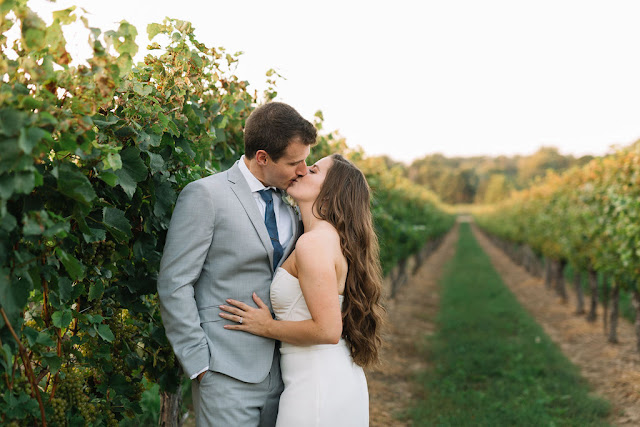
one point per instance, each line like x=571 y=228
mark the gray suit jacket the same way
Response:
x=217 y=247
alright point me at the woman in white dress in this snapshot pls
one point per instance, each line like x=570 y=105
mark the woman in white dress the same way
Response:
x=326 y=298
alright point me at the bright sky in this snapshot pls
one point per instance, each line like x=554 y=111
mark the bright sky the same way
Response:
x=410 y=78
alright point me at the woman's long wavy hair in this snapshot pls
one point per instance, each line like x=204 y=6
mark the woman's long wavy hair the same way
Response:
x=344 y=202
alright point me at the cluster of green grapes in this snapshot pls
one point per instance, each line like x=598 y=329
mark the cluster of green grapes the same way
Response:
x=96 y=252
x=88 y=412
x=22 y=384
x=19 y=386
x=121 y=324
x=59 y=407
x=111 y=420
x=71 y=393
x=124 y=331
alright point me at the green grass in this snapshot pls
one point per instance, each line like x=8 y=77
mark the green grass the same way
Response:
x=492 y=363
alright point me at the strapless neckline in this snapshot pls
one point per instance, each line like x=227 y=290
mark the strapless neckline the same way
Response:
x=286 y=271
x=287 y=300
x=341 y=296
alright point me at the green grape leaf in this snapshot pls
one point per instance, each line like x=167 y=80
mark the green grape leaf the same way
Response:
x=108 y=177
x=8 y=222
x=116 y=223
x=45 y=339
x=11 y=121
x=165 y=197
x=5 y=350
x=142 y=89
x=156 y=162
x=105 y=333
x=71 y=264
x=133 y=170
x=34 y=38
x=96 y=290
x=112 y=161
x=66 y=142
x=30 y=137
x=186 y=147
x=31 y=334
x=18 y=183
x=94 y=235
x=61 y=319
x=64 y=16
x=155 y=29
x=6 y=186
x=13 y=295
x=103 y=352
x=105 y=122
x=65 y=289
x=53 y=362
x=73 y=183
x=94 y=318
x=24 y=182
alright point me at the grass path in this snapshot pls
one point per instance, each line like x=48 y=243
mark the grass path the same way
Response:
x=492 y=364
x=410 y=316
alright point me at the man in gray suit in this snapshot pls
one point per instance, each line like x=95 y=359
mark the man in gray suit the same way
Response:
x=221 y=245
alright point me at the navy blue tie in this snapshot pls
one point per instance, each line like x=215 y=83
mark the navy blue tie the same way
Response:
x=272 y=227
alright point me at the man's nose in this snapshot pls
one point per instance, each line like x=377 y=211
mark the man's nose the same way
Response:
x=302 y=169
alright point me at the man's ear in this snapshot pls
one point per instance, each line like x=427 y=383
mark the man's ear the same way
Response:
x=262 y=157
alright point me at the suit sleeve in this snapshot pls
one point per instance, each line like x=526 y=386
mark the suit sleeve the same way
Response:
x=188 y=241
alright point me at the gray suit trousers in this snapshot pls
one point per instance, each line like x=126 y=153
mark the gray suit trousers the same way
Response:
x=220 y=400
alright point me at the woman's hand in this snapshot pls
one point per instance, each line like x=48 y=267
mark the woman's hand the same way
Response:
x=249 y=319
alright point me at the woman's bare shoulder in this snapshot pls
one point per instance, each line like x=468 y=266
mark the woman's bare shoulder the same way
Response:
x=322 y=242
x=319 y=237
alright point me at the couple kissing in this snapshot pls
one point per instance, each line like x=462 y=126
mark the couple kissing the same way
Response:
x=272 y=310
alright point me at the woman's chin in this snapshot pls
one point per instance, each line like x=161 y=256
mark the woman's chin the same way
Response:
x=291 y=186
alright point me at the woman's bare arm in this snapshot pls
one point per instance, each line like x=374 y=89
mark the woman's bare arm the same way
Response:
x=315 y=262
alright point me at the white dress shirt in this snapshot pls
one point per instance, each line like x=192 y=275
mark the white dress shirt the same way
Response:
x=283 y=218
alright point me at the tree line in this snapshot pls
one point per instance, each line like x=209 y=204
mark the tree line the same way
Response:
x=484 y=179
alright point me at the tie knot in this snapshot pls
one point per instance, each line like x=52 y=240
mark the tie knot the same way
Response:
x=266 y=194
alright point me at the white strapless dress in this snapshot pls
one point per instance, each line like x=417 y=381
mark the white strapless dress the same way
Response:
x=322 y=384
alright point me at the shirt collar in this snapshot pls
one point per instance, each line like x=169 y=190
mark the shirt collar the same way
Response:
x=254 y=183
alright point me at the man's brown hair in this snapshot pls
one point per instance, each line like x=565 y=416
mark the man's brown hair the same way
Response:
x=272 y=126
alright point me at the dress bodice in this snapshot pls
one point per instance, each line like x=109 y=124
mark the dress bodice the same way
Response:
x=287 y=300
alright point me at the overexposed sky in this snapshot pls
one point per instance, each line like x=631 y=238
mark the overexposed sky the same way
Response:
x=410 y=78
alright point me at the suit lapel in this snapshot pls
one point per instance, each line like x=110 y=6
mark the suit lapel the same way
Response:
x=242 y=191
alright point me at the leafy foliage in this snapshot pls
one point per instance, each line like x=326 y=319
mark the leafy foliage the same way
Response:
x=92 y=159
x=406 y=215
x=589 y=216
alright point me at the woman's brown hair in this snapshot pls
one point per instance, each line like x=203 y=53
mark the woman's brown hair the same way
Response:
x=344 y=202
